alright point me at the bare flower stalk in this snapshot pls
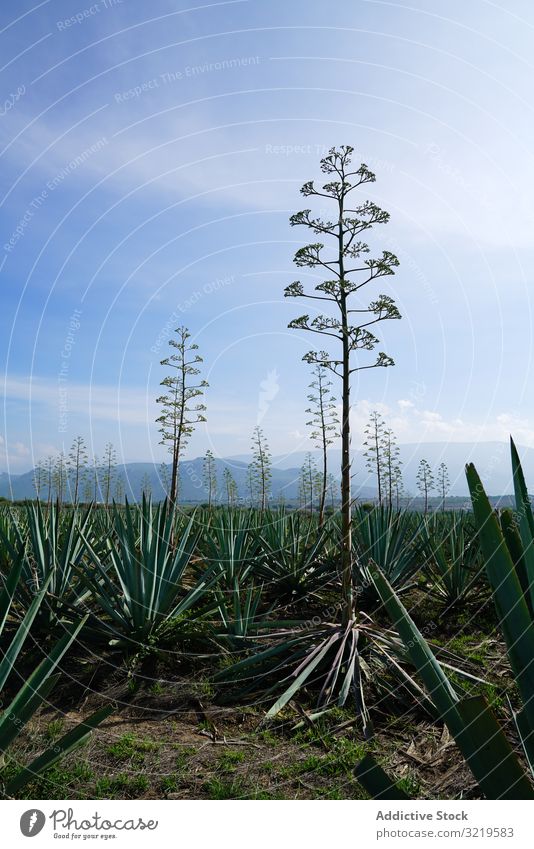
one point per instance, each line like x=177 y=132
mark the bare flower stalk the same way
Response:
x=180 y=412
x=349 y=270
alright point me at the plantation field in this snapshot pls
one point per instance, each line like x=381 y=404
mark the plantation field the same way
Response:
x=170 y=740
x=152 y=652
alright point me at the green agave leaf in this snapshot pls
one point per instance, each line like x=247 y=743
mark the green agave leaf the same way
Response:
x=28 y=698
x=512 y=608
x=64 y=746
x=525 y=518
x=13 y=720
x=526 y=736
x=21 y=634
x=301 y=678
x=244 y=665
x=377 y=782
x=470 y=721
x=490 y=756
x=438 y=685
x=10 y=586
x=515 y=547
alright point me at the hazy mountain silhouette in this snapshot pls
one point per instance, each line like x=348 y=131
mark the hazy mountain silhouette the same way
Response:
x=492 y=460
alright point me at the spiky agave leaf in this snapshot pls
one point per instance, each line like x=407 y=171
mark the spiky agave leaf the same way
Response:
x=294 y=562
x=37 y=686
x=391 y=539
x=470 y=721
x=141 y=582
x=453 y=559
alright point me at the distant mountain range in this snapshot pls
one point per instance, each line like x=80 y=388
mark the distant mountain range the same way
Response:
x=492 y=460
x=133 y=478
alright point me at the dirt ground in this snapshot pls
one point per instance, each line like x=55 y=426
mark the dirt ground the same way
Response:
x=170 y=742
x=168 y=738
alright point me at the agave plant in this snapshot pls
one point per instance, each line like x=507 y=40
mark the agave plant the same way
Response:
x=8 y=536
x=333 y=661
x=239 y=612
x=230 y=545
x=293 y=559
x=36 y=688
x=508 y=548
x=390 y=539
x=141 y=582
x=469 y=719
x=453 y=559
x=52 y=541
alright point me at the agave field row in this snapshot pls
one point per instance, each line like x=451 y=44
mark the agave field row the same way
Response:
x=252 y=598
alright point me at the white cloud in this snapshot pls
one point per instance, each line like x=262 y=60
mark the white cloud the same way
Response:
x=132 y=405
x=193 y=154
x=14 y=456
x=412 y=425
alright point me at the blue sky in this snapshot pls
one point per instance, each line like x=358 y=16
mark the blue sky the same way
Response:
x=151 y=156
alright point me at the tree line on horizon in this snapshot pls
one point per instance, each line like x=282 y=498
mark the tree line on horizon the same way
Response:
x=71 y=477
